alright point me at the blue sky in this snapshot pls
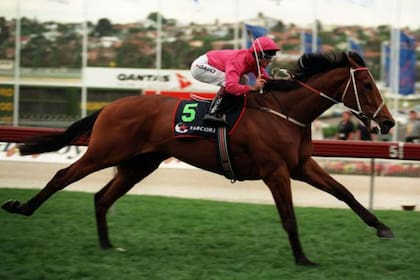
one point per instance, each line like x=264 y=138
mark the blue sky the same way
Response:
x=301 y=12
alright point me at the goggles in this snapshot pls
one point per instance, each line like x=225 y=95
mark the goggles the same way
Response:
x=269 y=55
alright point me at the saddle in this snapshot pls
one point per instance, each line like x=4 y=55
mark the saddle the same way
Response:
x=188 y=123
x=189 y=114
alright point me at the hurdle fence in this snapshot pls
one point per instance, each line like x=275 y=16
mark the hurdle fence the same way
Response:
x=322 y=148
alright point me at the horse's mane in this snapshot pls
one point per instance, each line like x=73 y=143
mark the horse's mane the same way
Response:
x=315 y=63
x=280 y=84
x=311 y=64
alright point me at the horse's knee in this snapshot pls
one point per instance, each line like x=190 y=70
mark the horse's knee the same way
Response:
x=61 y=173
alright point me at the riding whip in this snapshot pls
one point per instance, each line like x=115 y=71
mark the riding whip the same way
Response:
x=256 y=55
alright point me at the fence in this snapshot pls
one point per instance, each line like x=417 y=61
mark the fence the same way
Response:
x=322 y=148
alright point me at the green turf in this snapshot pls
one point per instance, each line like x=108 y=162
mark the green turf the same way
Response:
x=168 y=238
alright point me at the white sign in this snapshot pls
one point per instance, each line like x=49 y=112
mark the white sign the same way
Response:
x=132 y=78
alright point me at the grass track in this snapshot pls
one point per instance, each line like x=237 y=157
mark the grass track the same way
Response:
x=169 y=238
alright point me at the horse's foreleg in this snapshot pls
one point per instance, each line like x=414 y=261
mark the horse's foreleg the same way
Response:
x=311 y=173
x=129 y=173
x=279 y=184
x=61 y=179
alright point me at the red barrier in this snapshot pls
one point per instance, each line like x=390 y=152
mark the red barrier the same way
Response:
x=322 y=148
x=367 y=149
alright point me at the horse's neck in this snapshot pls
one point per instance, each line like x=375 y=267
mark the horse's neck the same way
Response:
x=305 y=105
x=309 y=105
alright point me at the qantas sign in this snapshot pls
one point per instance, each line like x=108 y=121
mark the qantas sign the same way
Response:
x=142 y=79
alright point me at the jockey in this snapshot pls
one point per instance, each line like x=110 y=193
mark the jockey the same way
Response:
x=225 y=68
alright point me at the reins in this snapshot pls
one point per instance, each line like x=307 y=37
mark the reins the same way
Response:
x=278 y=114
x=352 y=80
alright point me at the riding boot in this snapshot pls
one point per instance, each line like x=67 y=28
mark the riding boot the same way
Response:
x=215 y=114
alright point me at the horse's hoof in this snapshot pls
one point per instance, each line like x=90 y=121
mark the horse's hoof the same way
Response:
x=106 y=245
x=11 y=206
x=306 y=262
x=14 y=206
x=385 y=233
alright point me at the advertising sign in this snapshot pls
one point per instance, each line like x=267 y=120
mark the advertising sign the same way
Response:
x=6 y=105
x=133 y=78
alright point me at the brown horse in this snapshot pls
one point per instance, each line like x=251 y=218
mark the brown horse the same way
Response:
x=272 y=141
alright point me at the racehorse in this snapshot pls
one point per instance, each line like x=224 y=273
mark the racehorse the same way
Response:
x=272 y=141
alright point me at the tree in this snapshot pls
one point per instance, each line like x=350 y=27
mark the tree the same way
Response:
x=31 y=27
x=279 y=27
x=153 y=17
x=4 y=30
x=130 y=55
x=319 y=25
x=69 y=48
x=104 y=28
x=36 y=53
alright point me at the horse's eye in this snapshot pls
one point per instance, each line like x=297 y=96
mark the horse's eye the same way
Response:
x=367 y=86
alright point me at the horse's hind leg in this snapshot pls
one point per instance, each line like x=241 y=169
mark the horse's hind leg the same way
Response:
x=61 y=179
x=311 y=173
x=129 y=173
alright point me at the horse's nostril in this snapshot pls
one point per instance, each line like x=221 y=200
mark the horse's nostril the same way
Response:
x=388 y=123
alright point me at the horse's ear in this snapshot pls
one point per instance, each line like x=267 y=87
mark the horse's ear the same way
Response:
x=348 y=55
x=354 y=59
x=300 y=62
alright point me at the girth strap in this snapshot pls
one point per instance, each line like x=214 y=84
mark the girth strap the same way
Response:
x=223 y=147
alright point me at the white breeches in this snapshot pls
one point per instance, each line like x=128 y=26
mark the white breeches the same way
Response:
x=203 y=72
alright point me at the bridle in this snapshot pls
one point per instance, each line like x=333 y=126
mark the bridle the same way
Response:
x=359 y=111
x=351 y=81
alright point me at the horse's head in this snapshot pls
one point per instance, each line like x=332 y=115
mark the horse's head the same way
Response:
x=353 y=85
x=363 y=98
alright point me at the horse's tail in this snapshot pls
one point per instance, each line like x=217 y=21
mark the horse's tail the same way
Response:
x=55 y=141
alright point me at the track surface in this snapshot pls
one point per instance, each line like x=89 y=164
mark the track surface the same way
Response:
x=390 y=192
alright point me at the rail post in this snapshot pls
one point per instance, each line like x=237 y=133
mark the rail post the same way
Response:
x=372 y=183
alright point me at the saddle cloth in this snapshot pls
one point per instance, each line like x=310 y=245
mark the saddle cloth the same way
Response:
x=189 y=114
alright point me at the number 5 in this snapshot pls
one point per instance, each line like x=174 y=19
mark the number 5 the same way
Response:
x=188 y=114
